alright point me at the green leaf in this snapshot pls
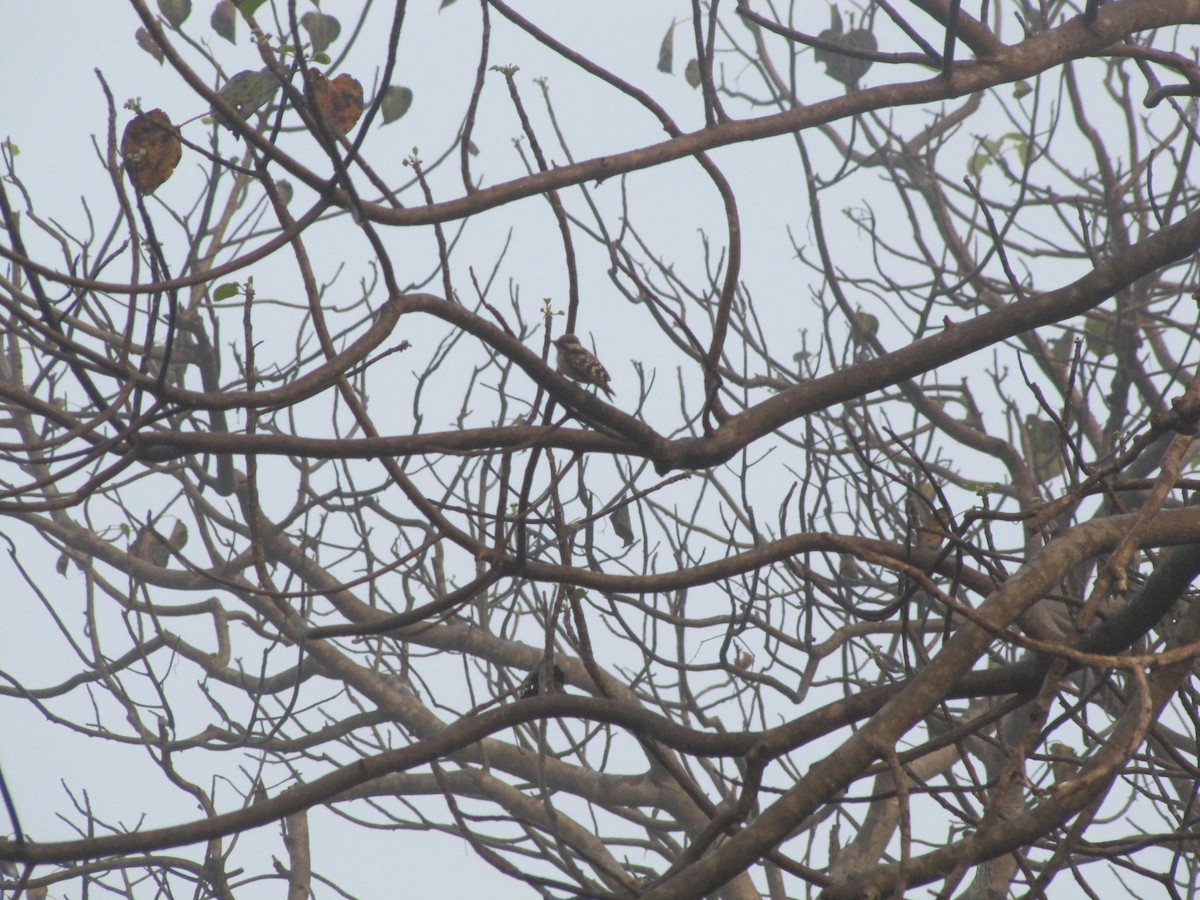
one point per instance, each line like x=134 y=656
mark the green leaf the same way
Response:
x=1023 y=151
x=246 y=92
x=175 y=11
x=249 y=7
x=322 y=30
x=396 y=101
x=666 y=53
x=977 y=163
x=227 y=290
x=321 y=59
x=692 y=73
x=61 y=566
x=285 y=190
x=1021 y=89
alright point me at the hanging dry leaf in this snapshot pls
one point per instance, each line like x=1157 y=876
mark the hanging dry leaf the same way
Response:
x=622 y=524
x=151 y=149
x=224 y=20
x=845 y=69
x=666 y=52
x=339 y=101
x=147 y=43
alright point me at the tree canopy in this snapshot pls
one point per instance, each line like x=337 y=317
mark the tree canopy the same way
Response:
x=848 y=552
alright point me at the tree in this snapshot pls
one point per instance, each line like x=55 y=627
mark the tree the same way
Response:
x=872 y=576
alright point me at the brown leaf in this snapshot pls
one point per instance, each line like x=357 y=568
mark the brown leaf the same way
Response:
x=224 y=20
x=846 y=69
x=147 y=43
x=340 y=101
x=151 y=149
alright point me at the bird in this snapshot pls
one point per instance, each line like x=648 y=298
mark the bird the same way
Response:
x=150 y=546
x=532 y=685
x=575 y=361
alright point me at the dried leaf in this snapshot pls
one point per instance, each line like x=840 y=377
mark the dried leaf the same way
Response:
x=444 y=4
x=224 y=20
x=322 y=30
x=150 y=149
x=691 y=74
x=666 y=52
x=179 y=537
x=147 y=43
x=175 y=11
x=340 y=101
x=285 y=190
x=396 y=101
x=622 y=524
x=246 y=92
x=838 y=66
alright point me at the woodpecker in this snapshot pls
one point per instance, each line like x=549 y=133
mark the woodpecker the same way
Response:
x=532 y=685
x=576 y=362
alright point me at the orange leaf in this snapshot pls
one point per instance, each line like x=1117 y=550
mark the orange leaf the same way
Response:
x=340 y=101
x=151 y=149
